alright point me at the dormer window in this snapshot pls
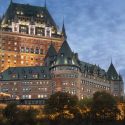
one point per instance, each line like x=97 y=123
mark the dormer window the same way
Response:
x=69 y=61
x=18 y=12
x=14 y=76
x=21 y=13
x=35 y=76
x=48 y=32
x=62 y=54
x=25 y=76
x=44 y=76
x=41 y=15
x=38 y=15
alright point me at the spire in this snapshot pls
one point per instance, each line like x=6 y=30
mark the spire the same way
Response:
x=11 y=1
x=64 y=31
x=45 y=5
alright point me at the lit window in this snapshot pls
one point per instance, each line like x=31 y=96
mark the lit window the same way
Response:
x=27 y=50
x=35 y=76
x=18 y=12
x=21 y=13
x=14 y=76
x=14 y=83
x=15 y=49
x=22 y=57
x=15 y=61
x=22 y=62
x=22 y=49
x=15 y=43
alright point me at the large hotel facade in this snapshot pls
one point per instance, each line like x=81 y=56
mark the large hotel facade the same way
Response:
x=37 y=61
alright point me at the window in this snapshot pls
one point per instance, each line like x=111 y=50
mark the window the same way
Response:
x=15 y=43
x=62 y=54
x=15 y=28
x=14 y=76
x=22 y=49
x=14 y=83
x=35 y=76
x=26 y=96
x=15 y=49
x=41 y=51
x=32 y=50
x=32 y=31
x=22 y=62
x=27 y=50
x=23 y=29
x=42 y=96
x=37 y=51
x=69 y=61
x=44 y=76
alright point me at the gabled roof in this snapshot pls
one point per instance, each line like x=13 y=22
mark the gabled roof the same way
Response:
x=112 y=73
x=28 y=11
x=65 y=49
x=25 y=73
x=51 y=51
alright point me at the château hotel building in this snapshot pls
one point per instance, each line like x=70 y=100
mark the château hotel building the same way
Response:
x=37 y=61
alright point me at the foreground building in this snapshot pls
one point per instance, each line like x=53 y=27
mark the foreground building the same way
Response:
x=60 y=69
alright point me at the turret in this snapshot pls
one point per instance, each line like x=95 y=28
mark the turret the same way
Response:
x=115 y=80
x=112 y=73
x=50 y=56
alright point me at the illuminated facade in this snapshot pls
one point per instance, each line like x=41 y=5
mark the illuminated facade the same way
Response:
x=40 y=64
x=62 y=71
x=26 y=33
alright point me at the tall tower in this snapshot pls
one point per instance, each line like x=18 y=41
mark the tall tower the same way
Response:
x=27 y=32
x=116 y=81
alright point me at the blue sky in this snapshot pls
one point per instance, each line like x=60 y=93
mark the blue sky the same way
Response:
x=95 y=28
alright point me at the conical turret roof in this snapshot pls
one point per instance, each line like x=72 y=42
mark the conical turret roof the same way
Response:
x=65 y=56
x=112 y=73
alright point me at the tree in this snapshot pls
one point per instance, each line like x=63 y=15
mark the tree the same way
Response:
x=10 y=113
x=27 y=117
x=60 y=101
x=61 y=106
x=104 y=106
x=85 y=106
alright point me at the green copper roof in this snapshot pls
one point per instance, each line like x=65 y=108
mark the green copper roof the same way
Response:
x=25 y=73
x=112 y=73
x=92 y=69
x=28 y=11
x=66 y=56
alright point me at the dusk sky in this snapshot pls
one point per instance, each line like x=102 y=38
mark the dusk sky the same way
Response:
x=95 y=28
